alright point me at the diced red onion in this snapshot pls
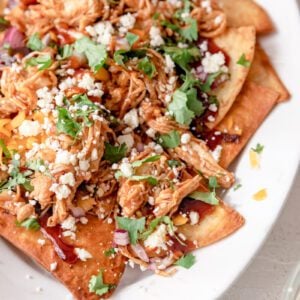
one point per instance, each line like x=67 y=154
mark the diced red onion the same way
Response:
x=140 y=147
x=14 y=38
x=121 y=237
x=152 y=267
x=140 y=252
x=77 y=212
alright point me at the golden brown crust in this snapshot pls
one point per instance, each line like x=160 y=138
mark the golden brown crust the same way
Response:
x=218 y=224
x=263 y=73
x=95 y=237
x=245 y=13
x=235 y=42
x=250 y=109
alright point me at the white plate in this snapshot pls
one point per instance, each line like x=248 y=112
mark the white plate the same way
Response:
x=220 y=264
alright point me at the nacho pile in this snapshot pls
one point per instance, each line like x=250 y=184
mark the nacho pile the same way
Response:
x=118 y=121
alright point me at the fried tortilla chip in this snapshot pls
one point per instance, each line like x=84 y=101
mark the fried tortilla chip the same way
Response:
x=236 y=42
x=245 y=13
x=216 y=223
x=263 y=73
x=95 y=237
x=250 y=109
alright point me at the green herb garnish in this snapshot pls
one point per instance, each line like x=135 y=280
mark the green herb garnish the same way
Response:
x=97 y=286
x=110 y=252
x=138 y=163
x=66 y=124
x=170 y=140
x=258 y=149
x=114 y=153
x=35 y=43
x=30 y=224
x=43 y=62
x=133 y=226
x=186 y=261
x=243 y=61
x=95 y=54
x=131 y=38
x=146 y=66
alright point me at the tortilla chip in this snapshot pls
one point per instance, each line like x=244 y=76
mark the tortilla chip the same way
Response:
x=95 y=237
x=220 y=222
x=245 y=13
x=248 y=112
x=263 y=73
x=235 y=42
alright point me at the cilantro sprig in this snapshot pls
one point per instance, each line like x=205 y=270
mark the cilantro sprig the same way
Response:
x=43 y=62
x=35 y=43
x=131 y=38
x=243 y=61
x=96 y=54
x=133 y=226
x=145 y=65
x=97 y=286
x=170 y=140
x=66 y=124
x=30 y=224
x=259 y=148
x=114 y=153
x=186 y=261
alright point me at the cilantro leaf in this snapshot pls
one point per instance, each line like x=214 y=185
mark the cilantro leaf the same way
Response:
x=206 y=87
x=172 y=163
x=258 y=149
x=153 y=158
x=30 y=224
x=193 y=103
x=114 y=153
x=4 y=149
x=238 y=186
x=110 y=252
x=122 y=56
x=150 y=179
x=133 y=226
x=213 y=183
x=66 y=124
x=179 y=108
x=206 y=197
x=183 y=56
x=170 y=140
x=170 y=25
x=43 y=62
x=97 y=286
x=3 y=24
x=66 y=51
x=186 y=261
x=154 y=223
x=243 y=61
x=147 y=67
x=131 y=38
x=35 y=43
x=35 y=165
x=95 y=54
x=190 y=30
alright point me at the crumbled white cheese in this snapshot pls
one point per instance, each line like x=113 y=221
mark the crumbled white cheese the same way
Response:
x=213 y=63
x=87 y=82
x=127 y=22
x=127 y=139
x=53 y=266
x=67 y=178
x=158 y=238
x=211 y=119
x=83 y=254
x=101 y=32
x=84 y=165
x=61 y=191
x=207 y=6
x=194 y=217
x=30 y=128
x=131 y=118
x=217 y=153
x=155 y=37
x=170 y=65
x=65 y=157
x=69 y=224
x=213 y=107
x=185 y=138
x=41 y=242
x=126 y=169
x=151 y=132
x=94 y=155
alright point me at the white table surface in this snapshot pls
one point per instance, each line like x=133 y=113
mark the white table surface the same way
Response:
x=267 y=274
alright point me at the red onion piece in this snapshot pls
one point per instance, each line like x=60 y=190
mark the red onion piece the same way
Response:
x=121 y=237
x=77 y=212
x=140 y=252
x=14 y=38
x=140 y=147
